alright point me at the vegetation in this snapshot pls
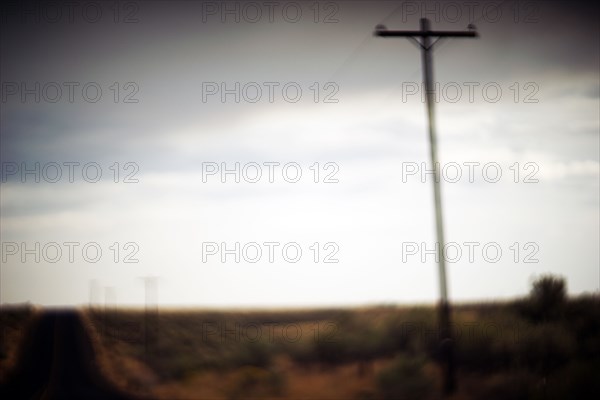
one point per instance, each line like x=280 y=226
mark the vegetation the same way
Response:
x=14 y=320
x=544 y=346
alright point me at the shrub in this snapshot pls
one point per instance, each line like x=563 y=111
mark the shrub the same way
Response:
x=255 y=382
x=514 y=385
x=256 y=354
x=548 y=297
x=404 y=379
x=545 y=347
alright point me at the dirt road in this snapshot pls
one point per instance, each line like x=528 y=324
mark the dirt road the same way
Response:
x=57 y=361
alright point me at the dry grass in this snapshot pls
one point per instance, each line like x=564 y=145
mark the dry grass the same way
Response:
x=365 y=353
x=14 y=321
x=503 y=350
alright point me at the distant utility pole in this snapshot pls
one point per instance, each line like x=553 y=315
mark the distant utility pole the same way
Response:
x=150 y=313
x=423 y=38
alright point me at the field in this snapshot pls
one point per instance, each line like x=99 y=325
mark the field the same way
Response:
x=545 y=346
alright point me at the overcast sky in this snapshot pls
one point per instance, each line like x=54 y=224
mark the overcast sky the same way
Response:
x=161 y=96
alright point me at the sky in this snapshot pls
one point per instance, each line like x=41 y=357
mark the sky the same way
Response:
x=275 y=154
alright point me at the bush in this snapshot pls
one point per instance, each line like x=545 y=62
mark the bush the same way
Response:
x=481 y=354
x=514 y=385
x=578 y=380
x=545 y=347
x=582 y=316
x=548 y=297
x=255 y=382
x=405 y=379
x=255 y=354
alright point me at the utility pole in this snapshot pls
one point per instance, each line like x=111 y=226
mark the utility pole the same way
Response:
x=150 y=314
x=423 y=38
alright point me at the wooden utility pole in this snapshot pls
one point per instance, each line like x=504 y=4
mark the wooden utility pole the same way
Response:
x=150 y=314
x=423 y=38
